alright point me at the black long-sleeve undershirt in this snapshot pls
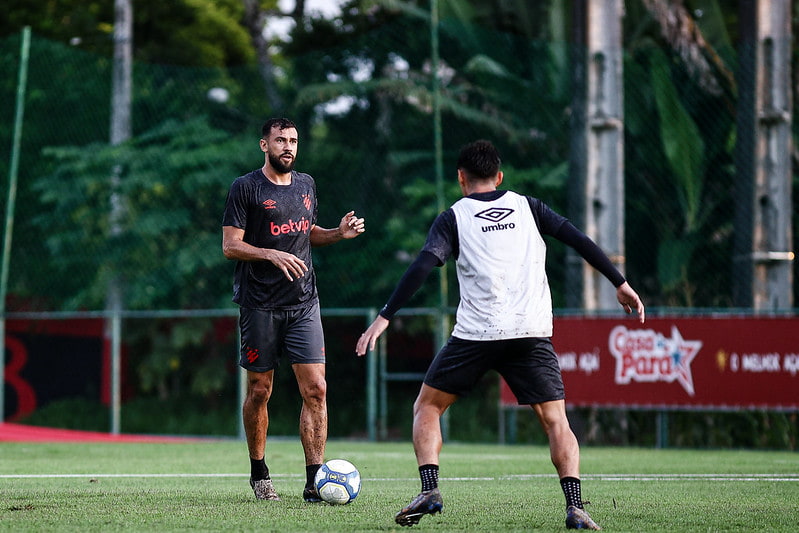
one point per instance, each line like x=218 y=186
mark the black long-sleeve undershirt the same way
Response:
x=418 y=271
x=589 y=251
x=409 y=283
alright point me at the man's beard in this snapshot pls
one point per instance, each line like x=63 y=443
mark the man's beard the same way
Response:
x=282 y=168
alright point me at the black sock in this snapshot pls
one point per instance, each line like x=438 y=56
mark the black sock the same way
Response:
x=429 y=475
x=571 y=489
x=310 y=474
x=258 y=469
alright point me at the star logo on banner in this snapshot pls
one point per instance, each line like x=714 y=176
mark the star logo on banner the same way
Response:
x=644 y=355
x=682 y=353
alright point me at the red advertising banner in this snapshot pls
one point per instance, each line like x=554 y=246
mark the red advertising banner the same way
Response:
x=678 y=363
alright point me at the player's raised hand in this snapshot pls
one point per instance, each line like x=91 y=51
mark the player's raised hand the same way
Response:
x=351 y=226
x=629 y=300
x=369 y=337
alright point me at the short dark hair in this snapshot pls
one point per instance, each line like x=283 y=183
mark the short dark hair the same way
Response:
x=280 y=123
x=479 y=160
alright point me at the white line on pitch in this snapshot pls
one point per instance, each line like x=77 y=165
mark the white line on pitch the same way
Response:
x=518 y=477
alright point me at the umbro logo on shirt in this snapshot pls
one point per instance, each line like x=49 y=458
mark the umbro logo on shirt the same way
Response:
x=495 y=214
x=269 y=204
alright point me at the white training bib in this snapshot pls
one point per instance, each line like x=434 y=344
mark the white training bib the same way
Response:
x=504 y=293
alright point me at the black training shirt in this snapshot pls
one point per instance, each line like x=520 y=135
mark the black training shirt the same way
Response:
x=278 y=217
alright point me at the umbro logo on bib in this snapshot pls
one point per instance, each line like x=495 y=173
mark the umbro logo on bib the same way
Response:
x=495 y=214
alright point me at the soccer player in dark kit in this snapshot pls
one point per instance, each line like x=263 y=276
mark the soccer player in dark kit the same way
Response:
x=503 y=322
x=268 y=228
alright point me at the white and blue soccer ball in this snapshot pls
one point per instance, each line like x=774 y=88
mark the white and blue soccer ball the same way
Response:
x=338 y=482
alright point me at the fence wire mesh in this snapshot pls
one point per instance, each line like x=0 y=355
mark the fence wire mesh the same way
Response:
x=366 y=134
x=369 y=145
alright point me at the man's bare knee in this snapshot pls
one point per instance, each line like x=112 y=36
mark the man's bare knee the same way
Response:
x=259 y=392
x=315 y=392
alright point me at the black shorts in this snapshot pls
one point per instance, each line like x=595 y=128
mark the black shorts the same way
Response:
x=266 y=335
x=529 y=365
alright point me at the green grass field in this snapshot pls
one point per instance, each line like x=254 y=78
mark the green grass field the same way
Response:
x=202 y=486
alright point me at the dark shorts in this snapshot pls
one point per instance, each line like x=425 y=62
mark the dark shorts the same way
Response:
x=529 y=365
x=267 y=335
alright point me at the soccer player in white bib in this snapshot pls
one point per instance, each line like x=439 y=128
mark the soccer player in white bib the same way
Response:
x=503 y=321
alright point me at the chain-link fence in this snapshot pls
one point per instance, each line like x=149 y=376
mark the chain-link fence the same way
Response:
x=188 y=146
x=366 y=134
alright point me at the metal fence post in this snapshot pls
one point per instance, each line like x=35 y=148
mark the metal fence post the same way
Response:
x=12 y=194
x=662 y=430
x=116 y=372
x=763 y=261
x=597 y=152
x=371 y=383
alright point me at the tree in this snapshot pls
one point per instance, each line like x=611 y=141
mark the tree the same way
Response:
x=367 y=77
x=86 y=24
x=179 y=32
x=683 y=166
x=175 y=178
x=255 y=20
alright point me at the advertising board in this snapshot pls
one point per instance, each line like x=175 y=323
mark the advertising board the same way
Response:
x=725 y=362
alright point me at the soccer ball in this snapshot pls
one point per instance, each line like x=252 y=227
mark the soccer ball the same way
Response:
x=338 y=482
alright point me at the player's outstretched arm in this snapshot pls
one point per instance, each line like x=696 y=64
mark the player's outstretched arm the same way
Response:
x=350 y=227
x=408 y=285
x=369 y=338
x=629 y=300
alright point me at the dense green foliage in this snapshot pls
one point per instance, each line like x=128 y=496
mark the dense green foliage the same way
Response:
x=171 y=209
x=360 y=87
x=204 y=33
